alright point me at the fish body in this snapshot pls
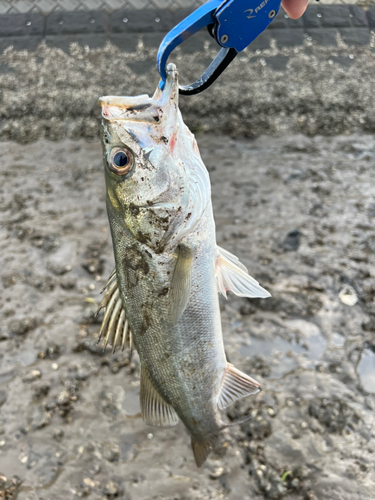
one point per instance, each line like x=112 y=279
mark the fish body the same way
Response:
x=168 y=267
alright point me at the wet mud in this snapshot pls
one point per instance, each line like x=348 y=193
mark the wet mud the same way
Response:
x=299 y=212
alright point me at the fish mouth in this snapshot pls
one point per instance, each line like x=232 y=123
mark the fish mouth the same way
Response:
x=125 y=102
x=150 y=204
x=143 y=107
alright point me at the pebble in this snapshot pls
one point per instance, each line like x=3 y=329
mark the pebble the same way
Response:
x=9 y=487
x=348 y=296
x=218 y=472
x=295 y=483
x=52 y=351
x=111 y=452
x=271 y=412
x=91 y=483
x=32 y=376
x=111 y=489
x=292 y=241
x=63 y=398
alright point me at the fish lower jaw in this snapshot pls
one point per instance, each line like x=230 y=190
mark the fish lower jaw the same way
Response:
x=157 y=205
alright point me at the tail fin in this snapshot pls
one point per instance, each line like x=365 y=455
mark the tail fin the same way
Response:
x=202 y=448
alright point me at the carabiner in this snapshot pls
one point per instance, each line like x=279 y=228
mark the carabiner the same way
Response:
x=235 y=24
x=200 y=18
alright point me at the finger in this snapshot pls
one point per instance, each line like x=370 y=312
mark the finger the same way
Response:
x=294 y=8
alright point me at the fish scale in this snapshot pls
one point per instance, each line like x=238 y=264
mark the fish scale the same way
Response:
x=187 y=365
x=169 y=268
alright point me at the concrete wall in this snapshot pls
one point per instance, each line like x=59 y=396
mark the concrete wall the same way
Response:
x=321 y=23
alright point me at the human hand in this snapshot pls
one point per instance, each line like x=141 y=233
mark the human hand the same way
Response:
x=294 y=8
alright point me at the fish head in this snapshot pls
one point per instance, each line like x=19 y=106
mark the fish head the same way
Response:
x=157 y=185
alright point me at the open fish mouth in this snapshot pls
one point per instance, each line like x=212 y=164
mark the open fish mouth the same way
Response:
x=162 y=205
x=142 y=107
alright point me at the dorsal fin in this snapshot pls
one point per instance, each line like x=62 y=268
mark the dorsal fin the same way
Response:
x=155 y=411
x=236 y=385
x=232 y=275
x=115 y=326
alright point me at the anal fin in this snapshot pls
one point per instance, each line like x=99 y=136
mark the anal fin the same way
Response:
x=155 y=411
x=236 y=385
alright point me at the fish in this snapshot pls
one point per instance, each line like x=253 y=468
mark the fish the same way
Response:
x=162 y=298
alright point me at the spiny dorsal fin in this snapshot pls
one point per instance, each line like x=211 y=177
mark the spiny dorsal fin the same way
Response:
x=115 y=326
x=155 y=411
x=232 y=275
x=202 y=448
x=181 y=282
x=236 y=385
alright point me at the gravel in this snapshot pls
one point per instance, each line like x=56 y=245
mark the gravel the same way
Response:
x=48 y=93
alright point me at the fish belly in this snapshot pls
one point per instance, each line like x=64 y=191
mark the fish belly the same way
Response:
x=186 y=361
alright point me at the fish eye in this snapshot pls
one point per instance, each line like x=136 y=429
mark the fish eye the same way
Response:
x=121 y=161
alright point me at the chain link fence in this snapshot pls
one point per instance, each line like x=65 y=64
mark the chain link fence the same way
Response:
x=48 y=6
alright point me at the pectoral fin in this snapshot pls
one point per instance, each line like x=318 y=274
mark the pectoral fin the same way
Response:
x=181 y=282
x=115 y=326
x=236 y=385
x=232 y=275
x=155 y=411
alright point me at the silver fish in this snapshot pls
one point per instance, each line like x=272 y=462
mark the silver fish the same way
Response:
x=163 y=295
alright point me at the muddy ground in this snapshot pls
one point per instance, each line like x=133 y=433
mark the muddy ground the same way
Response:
x=300 y=213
